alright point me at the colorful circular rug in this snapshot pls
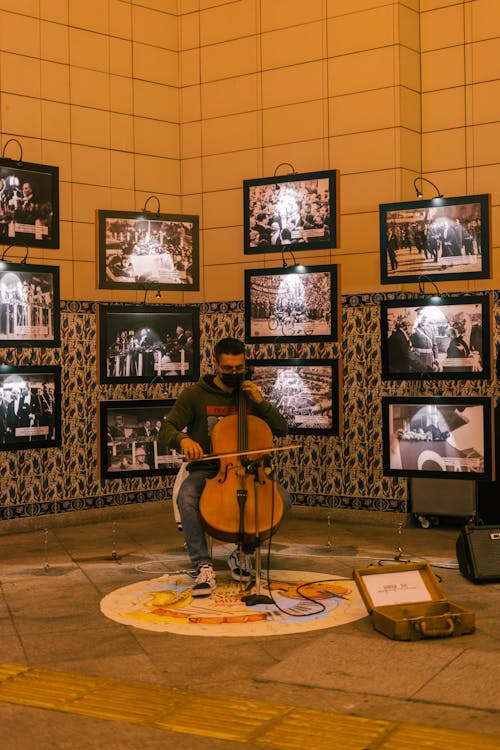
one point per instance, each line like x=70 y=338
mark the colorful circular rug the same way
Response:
x=299 y=601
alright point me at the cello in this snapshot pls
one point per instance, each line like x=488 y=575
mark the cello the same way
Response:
x=242 y=503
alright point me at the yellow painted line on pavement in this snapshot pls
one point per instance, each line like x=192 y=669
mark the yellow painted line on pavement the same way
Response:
x=266 y=725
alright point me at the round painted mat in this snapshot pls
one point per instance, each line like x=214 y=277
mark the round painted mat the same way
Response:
x=165 y=604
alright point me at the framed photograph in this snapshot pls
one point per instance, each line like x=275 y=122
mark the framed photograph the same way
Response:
x=294 y=303
x=128 y=439
x=29 y=204
x=30 y=407
x=141 y=250
x=29 y=305
x=445 y=339
x=140 y=343
x=290 y=212
x=305 y=391
x=443 y=239
x=433 y=436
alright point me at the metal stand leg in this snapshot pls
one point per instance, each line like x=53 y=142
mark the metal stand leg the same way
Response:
x=256 y=598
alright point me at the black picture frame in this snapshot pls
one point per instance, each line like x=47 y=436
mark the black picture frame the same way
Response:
x=303 y=208
x=143 y=343
x=29 y=305
x=128 y=439
x=141 y=250
x=305 y=391
x=445 y=338
x=36 y=422
x=29 y=204
x=437 y=436
x=297 y=303
x=413 y=242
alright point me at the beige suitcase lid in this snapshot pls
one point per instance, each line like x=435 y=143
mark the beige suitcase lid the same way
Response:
x=398 y=583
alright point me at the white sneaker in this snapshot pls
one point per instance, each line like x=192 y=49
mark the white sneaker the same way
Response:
x=205 y=581
x=240 y=566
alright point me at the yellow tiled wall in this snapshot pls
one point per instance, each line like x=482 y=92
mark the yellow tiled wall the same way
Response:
x=185 y=99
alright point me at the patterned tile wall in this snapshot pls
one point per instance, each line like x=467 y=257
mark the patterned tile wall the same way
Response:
x=329 y=472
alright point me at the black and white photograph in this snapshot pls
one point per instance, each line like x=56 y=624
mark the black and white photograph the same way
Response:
x=306 y=392
x=29 y=305
x=438 y=436
x=294 y=212
x=138 y=250
x=295 y=303
x=142 y=343
x=30 y=407
x=29 y=204
x=129 y=439
x=441 y=239
x=445 y=339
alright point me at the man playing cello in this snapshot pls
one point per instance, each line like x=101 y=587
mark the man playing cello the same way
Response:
x=198 y=409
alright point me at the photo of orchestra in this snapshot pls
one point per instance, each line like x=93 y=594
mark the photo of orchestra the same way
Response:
x=441 y=239
x=143 y=343
x=437 y=339
x=303 y=393
x=144 y=251
x=28 y=408
x=131 y=443
x=433 y=437
x=27 y=305
x=291 y=304
x=27 y=205
x=294 y=212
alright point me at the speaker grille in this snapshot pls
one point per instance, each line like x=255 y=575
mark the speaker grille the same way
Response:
x=478 y=552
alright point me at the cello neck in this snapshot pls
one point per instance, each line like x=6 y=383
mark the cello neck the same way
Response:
x=242 y=422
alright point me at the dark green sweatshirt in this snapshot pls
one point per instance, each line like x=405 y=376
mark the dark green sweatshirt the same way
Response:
x=200 y=406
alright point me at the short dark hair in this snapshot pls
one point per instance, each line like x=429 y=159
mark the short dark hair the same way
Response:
x=228 y=346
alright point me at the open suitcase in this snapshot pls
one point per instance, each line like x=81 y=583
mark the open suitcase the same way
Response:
x=406 y=603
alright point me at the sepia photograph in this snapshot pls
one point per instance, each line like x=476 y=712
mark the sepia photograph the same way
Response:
x=29 y=204
x=142 y=343
x=441 y=239
x=129 y=439
x=29 y=305
x=443 y=339
x=296 y=303
x=30 y=407
x=438 y=437
x=306 y=392
x=139 y=250
x=290 y=212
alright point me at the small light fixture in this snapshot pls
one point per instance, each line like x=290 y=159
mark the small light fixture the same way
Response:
x=17 y=244
x=151 y=197
x=150 y=286
x=437 y=296
x=424 y=179
x=283 y=164
x=285 y=264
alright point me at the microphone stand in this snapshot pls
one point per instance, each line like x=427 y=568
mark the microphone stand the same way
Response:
x=251 y=600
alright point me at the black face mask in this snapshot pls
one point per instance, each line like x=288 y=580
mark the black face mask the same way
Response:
x=232 y=379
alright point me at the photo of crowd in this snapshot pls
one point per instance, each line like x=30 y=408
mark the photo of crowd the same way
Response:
x=434 y=239
x=143 y=251
x=143 y=343
x=283 y=303
x=303 y=392
x=130 y=441
x=28 y=205
x=295 y=213
x=437 y=339
x=27 y=410
x=430 y=437
x=27 y=304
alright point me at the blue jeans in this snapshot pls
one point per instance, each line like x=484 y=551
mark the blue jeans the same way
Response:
x=188 y=502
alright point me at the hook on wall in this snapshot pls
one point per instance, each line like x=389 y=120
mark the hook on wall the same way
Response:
x=17 y=244
x=151 y=197
x=13 y=140
x=284 y=164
